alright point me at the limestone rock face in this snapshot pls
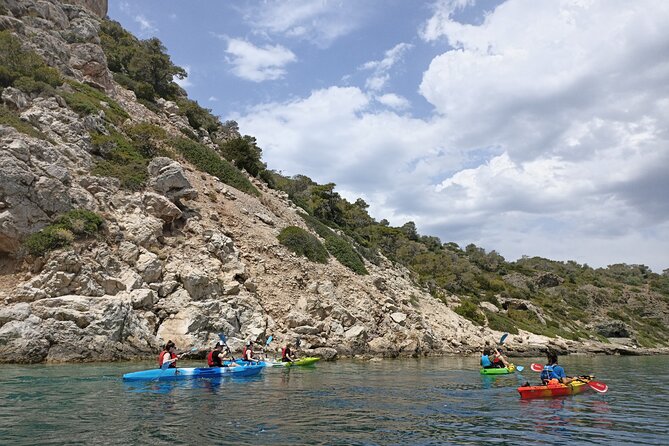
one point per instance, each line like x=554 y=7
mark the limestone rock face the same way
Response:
x=187 y=257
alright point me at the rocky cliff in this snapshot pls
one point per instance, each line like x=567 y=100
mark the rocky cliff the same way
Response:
x=186 y=257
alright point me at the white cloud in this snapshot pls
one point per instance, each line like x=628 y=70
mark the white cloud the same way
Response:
x=258 y=64
x=381 y=68
x=393 y=101
x=146 y=26
x=550 y=136
x=319 y=22
x=213 y=99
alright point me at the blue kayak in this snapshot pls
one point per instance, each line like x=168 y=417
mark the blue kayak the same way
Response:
x=194 y=373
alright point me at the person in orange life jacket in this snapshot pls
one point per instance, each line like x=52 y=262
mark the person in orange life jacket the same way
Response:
x=216 y=357
x=169 y=354
x=287 y=354
x=247 y=352
x=553 y=373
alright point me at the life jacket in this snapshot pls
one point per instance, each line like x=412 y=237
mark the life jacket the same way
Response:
x=485 y=361
x=548 y=374
x=246 y=350
x=162 y=355
x=285 y=352
x=211 y=362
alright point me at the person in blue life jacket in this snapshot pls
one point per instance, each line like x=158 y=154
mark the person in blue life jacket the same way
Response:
x=553 y=373
x=493 y=359
x=486 y=359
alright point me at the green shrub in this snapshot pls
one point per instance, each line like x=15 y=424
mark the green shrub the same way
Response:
x=122 y=160
x=245 y=154
x=86 y=100
x=319 y=227
x=470 y=310
x=25 y=69
x=198 y=117
x=211 y=162
x=72 y=225
x=303 y=243
x=147 y=139
x=500 y=322
x=344 y=252
x=11 y=118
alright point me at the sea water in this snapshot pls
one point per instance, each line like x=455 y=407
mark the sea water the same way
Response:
x=427 y=401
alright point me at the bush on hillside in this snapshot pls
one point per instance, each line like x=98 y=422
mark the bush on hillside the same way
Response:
x=24 y=69
x=303 y=243
x=86 y=100
x=344 y=252
x=470 y=310
x=72 y=225
x=211 y=162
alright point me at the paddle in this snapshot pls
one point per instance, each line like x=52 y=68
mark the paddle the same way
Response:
x=221 y=336
x=519 y=368
x=597 y=386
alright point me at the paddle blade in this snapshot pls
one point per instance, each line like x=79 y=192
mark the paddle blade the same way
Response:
x=536 y=367
x=503 y=338
x=221 y=336
x=520 y=368
x=269 y=340
x=598 y=386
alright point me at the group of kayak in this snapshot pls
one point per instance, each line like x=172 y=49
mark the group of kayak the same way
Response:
x=220 y=362
x=554 y=380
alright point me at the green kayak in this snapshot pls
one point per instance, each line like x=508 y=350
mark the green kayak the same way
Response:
x=309 y=360
x=499 y=371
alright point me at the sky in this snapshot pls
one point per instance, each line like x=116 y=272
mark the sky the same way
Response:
x=527 y=127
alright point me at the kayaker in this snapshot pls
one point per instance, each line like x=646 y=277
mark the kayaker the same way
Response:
x=552 y=372
x=498 y=360
x=486 y=359
x=247 y=352
x=169 y=354
x=287 y=354
x=217 y=357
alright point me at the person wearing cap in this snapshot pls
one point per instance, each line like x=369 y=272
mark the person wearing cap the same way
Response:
x=217 y=357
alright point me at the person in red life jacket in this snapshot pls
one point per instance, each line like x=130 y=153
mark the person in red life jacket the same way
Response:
x=247 y=352
x=287 y=354
x=169 y=355
x=216 y=357
x=498 y=360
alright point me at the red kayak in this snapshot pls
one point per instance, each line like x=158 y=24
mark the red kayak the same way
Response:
x=553 y=390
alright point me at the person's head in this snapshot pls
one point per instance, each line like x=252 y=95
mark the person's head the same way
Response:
x=218 y=346
x=552 y=357
x=170 y=345
x=249 y=343
x=486 y=351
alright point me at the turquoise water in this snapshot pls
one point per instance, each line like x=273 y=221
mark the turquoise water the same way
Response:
x=391 y=402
